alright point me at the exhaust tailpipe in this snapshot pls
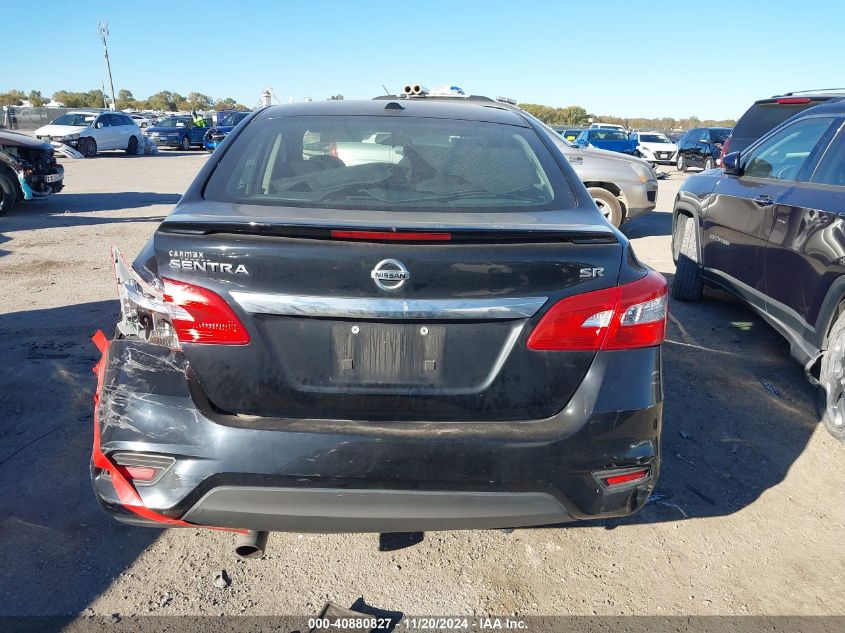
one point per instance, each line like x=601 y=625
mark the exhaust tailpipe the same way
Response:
x=251 y=545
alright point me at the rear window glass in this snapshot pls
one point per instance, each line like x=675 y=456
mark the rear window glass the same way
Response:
x=396 y=163
x=762 y=117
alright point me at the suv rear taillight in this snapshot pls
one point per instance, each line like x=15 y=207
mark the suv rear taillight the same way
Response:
x=168 y=312
x=725 y=149
x=623 y=317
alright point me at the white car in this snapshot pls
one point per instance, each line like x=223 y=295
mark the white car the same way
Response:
x=141 y=120
x=91 y=132
x=656 y=148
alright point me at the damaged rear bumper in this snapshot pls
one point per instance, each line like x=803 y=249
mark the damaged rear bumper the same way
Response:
x=233 y=471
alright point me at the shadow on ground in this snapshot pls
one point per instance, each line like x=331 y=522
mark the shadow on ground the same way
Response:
x=649 y=224
x=53 y=535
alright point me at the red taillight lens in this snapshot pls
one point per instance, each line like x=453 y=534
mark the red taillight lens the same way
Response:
x=725 y=148
x=622 y=317
x=792 y=100
x=392 y=236
x=201 y=316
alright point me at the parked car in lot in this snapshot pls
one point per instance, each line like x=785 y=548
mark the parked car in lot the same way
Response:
x=28 y=170
x=93 y=132
x=456 y=340
x=569 y=133
x=141 y=120
x=765 y=114
x=215 y=134
x=178 y=132
x=655 y=147
x=768 y=227
x=701 y=147
x=607 y=138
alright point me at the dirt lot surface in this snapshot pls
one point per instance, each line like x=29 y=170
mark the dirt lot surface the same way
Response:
x=749 y=519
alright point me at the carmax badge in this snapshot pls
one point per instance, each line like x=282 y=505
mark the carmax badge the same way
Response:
x=390 y=274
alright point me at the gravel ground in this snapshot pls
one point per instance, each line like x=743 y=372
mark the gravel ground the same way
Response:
x=752 y=493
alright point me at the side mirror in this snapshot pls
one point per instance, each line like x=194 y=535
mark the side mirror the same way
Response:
x=99 y=124
x=704 y=141
x=730 y=164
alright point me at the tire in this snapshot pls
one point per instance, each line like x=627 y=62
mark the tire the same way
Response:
x=832 y=382
x=682 y=163
x=608 y=204
x=185 y=145
x=132 y=148
x=88 y=147
x=687 y=284
x=708 y=163
x=8 y=193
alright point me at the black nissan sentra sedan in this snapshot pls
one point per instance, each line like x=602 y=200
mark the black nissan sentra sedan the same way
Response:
x=382 y=316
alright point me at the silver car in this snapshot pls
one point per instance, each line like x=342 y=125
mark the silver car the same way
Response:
x=622 y=187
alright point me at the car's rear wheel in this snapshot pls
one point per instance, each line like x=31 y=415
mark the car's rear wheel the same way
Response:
x=88 y=147
x=708 y=163
x=8 y=193
x=682 y=163
x=832 y=382
x=186 y=143
x=687 y=285
x=608 y=205
x=132 y=148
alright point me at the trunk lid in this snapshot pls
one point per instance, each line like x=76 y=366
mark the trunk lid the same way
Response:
x=330 y=342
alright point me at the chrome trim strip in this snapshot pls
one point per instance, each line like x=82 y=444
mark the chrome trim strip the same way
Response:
x=379 y=308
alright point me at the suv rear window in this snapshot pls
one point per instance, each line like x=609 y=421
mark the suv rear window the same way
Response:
x=760 y=118
x=389 y=162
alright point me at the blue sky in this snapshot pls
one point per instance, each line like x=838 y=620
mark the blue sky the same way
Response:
x=651 y=58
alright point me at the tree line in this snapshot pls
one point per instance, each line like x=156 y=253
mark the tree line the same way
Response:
x=165 y=100
x=576 y=116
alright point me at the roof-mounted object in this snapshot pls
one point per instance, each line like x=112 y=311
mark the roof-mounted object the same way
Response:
x=506 y=100
x=415 y=90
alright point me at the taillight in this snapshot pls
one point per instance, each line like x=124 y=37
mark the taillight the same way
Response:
x=201 y=316
x=168 y=312
x=725 y=148
x=623 y=317
x=793 y=100
x=392 y=236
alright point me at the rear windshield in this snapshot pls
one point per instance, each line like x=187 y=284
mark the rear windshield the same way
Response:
x=762 y=117
x=389 y=162
x=653 y=138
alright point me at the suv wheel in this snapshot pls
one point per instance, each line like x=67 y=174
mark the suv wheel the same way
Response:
x=132 y=148
x=832 y=382
x=186 y=143
x=88 y=147
x=682 y=163
x=8 y=193
x=608 y=204
x=687 y=285
x=708 y=163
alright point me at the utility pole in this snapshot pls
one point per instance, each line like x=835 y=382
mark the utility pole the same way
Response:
x=103 y=30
